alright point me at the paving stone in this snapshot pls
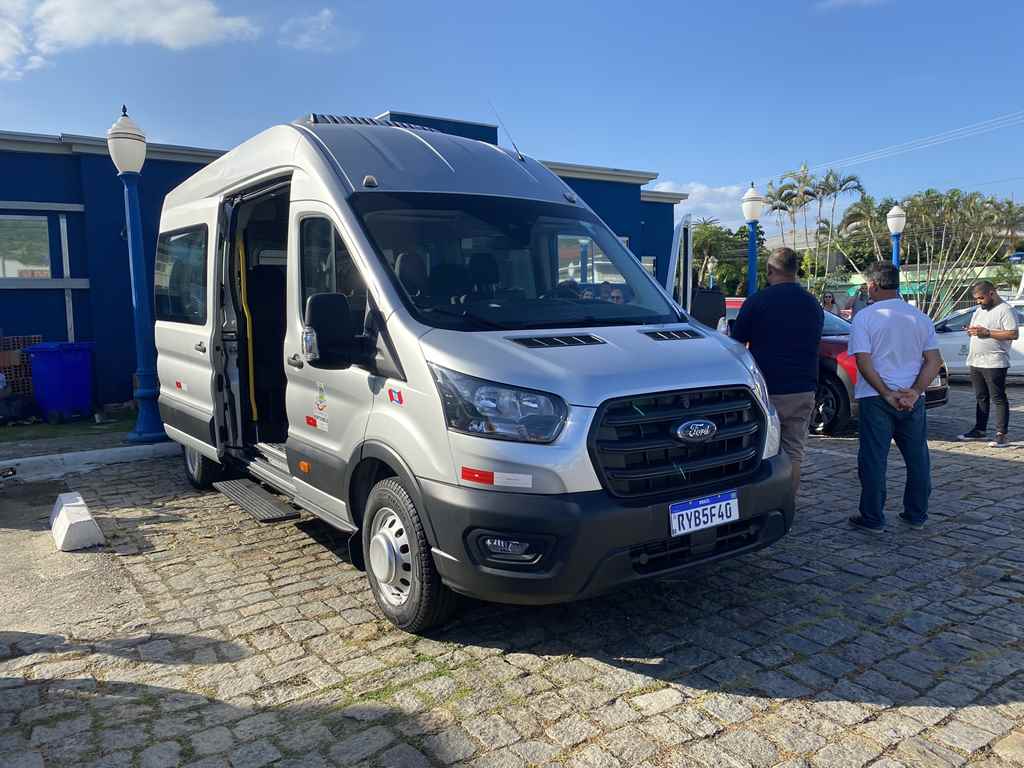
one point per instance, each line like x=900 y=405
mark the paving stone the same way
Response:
x=450 y=746
x=1011 y=748
x=256 y=754
x=403 y=756
x=535 y=752
x=749 y=747
x=850 y=752
x=630 y=745
x=213 y=741
x=362 y=745
x=492 y=731
x=593 y=756
x=24 y=760
x=165 y=754
x=923 y=753
x=571 y=731
x=658 y=701
x=959 y=735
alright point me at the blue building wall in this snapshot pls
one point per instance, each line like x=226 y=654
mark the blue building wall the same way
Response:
x=98 y=248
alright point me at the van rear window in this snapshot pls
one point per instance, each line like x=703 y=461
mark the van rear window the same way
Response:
x=180 y=276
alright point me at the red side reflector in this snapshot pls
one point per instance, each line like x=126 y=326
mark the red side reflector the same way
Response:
x=310 y=421
x=478 y=476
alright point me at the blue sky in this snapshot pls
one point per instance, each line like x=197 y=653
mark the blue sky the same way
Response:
x=710 y=95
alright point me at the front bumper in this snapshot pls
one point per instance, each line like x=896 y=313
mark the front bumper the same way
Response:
x=596 y=542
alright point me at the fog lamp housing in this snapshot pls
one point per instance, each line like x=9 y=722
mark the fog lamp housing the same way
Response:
x=503 y=549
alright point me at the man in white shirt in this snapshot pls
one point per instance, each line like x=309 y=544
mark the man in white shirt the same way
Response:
x=897 y=358
x=992 y=330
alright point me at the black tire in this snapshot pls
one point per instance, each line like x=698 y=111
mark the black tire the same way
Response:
x=201 y=472
x=427 y=602
x=831 y=413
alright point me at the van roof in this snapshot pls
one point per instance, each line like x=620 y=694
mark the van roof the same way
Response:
x=398 y=157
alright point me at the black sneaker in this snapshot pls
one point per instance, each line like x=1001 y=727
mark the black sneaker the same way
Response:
x=974 y=434
x=858 y=522
x=912 y=523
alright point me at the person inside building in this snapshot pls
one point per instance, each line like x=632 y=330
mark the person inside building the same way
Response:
x=992 y=330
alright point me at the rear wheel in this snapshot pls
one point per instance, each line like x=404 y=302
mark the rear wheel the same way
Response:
x=401 y=571
x=831 y=407
x=201 y=472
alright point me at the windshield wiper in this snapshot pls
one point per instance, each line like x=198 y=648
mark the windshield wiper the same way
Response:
x=465 y=314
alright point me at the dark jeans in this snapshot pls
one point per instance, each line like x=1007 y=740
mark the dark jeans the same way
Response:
x=990 y=387
x=880 y=424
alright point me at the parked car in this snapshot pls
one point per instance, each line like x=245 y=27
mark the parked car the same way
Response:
x=368 y=318
x=835 y=405
x=954 y=341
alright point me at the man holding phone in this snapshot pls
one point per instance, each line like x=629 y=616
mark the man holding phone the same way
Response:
x=993 y=328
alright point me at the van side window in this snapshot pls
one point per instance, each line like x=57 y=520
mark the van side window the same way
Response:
x=327 y=267
x=180 y=276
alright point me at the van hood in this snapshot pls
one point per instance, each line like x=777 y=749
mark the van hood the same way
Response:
x=625 y=361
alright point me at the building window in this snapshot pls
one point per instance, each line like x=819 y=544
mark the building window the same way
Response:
x=327 y=267
x=24 y=247
x=180 y=276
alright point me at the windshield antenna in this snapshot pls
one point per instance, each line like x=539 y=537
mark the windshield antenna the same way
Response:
x=519 y=155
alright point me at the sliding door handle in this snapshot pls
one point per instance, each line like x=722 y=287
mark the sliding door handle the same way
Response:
x=200 y=347
x=295 y=361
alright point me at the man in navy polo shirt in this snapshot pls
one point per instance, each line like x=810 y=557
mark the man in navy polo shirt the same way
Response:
x=782 y=325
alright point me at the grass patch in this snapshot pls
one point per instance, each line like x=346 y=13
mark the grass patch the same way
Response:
x=122 y=421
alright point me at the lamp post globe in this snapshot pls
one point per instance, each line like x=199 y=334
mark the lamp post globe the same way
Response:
x=897 y=220
x=752 y=205
x=127 y=145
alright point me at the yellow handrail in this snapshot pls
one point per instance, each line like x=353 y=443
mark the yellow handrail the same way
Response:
x=248 y=328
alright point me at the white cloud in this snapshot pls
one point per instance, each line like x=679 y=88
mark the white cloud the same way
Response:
x=833 y=5
x=31 y=31
x=317 y=33
x=722 y=203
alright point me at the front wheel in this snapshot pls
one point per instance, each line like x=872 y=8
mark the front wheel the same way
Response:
x=831 y=407
x=201 y=472
x=401 y=571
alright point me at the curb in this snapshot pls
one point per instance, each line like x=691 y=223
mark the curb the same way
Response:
x=55 y=466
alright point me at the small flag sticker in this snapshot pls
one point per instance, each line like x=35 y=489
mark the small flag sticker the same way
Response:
x=395 y=396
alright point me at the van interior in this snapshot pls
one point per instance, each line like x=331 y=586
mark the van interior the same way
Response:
x=259 y=255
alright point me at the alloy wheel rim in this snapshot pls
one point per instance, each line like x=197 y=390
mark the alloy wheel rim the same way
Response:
x=390 y=558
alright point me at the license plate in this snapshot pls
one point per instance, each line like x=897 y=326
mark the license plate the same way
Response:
x=697 y=514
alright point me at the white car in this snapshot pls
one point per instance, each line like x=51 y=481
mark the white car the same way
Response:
x=954 y=341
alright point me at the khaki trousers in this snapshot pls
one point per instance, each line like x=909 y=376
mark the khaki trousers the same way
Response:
x=795 y=417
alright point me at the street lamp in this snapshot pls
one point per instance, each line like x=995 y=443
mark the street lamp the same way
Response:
x=127 y=145
x=897 y=220
x=753 y=204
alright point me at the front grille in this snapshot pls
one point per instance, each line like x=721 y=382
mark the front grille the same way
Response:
x=636 y=453
x=545 y=342
x=660 y=555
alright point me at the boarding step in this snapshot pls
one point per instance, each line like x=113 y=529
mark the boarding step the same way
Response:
x=264 y=506
x=275 y=453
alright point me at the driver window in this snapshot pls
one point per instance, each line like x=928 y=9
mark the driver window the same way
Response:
x=327 y=267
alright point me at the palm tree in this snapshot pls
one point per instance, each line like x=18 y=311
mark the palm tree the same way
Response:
x=860 y=216
x=775 y=203
x=802 y=190
x=833 y=186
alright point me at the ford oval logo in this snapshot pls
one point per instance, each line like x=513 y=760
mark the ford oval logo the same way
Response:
x=697 y=431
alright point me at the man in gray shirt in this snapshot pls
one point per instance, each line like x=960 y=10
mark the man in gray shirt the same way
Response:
x=993 y=328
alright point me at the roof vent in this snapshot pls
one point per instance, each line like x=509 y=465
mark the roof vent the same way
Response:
x=315 y=118
x=547 y=342
x=676 y=334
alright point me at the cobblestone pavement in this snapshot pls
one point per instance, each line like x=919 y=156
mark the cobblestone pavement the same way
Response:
x=253 y=645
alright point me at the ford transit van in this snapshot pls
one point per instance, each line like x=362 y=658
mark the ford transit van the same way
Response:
x=434 y=345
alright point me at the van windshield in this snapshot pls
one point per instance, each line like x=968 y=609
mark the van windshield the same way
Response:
x=474 y=262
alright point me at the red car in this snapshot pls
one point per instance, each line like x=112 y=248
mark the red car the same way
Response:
x=835 y=405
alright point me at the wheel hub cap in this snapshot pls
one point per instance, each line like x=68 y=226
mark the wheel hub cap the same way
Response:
x=391 y=557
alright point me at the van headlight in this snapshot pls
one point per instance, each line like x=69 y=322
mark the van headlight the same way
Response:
x=486 y=409
x=760 y=385
x=774 y=437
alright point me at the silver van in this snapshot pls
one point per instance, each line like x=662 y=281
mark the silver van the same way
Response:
x=432 y=344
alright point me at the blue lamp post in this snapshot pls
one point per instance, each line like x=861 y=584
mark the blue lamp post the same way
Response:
x=753 y=204
x=127 y=145
x=897 y=220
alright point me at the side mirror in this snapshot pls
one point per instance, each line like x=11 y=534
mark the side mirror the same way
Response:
x=327 y=339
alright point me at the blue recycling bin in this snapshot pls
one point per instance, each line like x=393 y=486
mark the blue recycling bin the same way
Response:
x=62 y=378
